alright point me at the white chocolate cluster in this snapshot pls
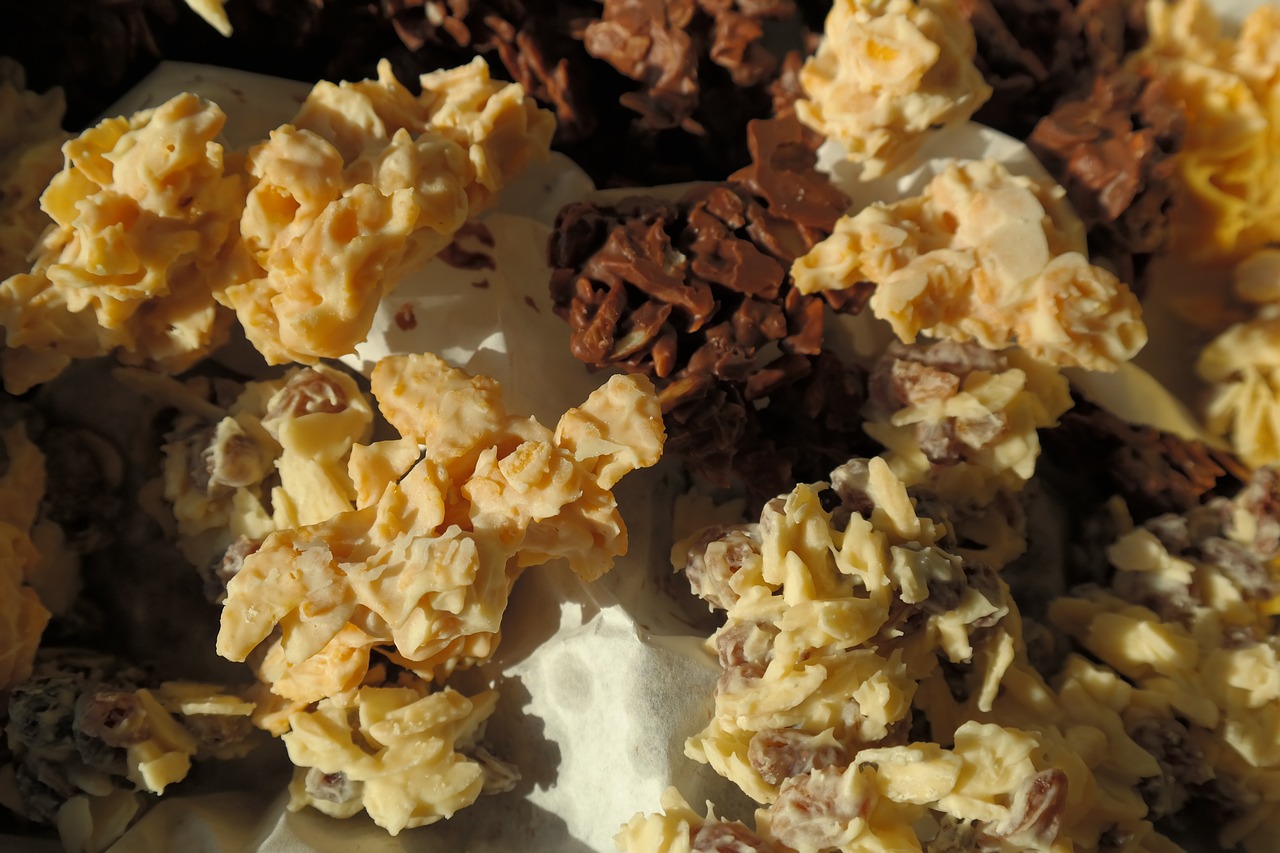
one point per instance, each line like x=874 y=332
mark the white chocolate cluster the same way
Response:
x=1188 y=620
x=1228 y=168
x=142 y=213
x=886 y=74
x=984 y=256
x=367 y=182
x=156 y=227
x=406 y=756
x=847 y=630
x=417 y=573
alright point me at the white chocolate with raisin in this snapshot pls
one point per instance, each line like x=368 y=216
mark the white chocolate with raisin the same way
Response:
x=446 y=518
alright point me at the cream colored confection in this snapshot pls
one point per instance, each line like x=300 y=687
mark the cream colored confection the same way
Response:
x=887 y=73
x=274 y=457
x=1242 y=365
x=31 y=140
x=843 y=630
x=142 y=211
x=962 y=420
x=1187 y=620
x=815 y=622
x=445 y=519
x=405 y=755
x=368 y=182
x=214 y=14
x=984 y=256
x=1228 y=168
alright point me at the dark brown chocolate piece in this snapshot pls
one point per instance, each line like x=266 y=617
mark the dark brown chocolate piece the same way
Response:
x=1112 y=150
x=1035 y=52
x=697 y=295
x=1155 y=472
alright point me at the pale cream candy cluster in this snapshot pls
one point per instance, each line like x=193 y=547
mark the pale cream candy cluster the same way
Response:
x=420 y=570
x=31 y=138
x=887 y=73
x=1242 y=365
x=368 y=182
x=840 y=629
x=1191 y=627
x=405 y=755
x=275 y=457
x=1228 y=168
x=445 y=519
x=152 y=229
x=962 y=422
x=984 y=256
x=142 y=213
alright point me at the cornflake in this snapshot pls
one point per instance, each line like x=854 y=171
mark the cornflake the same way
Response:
x=984 y=256
x=887 y=73
x=367 y=183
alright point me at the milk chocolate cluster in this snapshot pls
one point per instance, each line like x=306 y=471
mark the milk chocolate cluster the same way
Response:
x=696 y=294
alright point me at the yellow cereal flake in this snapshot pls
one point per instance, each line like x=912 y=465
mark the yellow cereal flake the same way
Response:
x=984 y=256
x=887 y=73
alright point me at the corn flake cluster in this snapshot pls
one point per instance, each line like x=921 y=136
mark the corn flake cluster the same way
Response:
x=984 y=256
x=853 y=632
x=368 y=182
x=418 y=572
x=141 y=215
x=887 y=73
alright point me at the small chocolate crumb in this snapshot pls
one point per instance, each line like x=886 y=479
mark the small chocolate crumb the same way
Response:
x=406 y=320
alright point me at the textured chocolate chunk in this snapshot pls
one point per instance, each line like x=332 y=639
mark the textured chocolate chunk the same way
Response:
x=1112 y=149
x=1034 y=52
x=697 y=295
x=1155 y=472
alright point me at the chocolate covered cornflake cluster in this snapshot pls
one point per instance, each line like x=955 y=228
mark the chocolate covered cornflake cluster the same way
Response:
x=696 y=294
x=1154 y=471
x=1063 y=78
